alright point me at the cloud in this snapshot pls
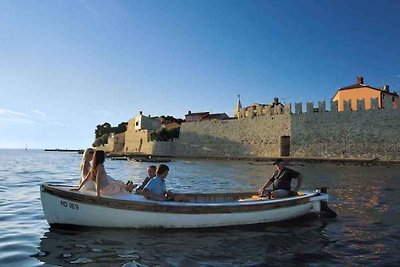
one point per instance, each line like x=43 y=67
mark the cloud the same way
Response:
x=31 y=117
x=7 y=112
x=38 y=112
x=14 y=116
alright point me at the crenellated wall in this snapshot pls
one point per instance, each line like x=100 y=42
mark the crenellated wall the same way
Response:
x=372 y=133
x=314 y=132
x=347 y=105
x=362 y=134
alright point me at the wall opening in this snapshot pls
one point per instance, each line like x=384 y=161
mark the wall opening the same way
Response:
x=285 y=145
x=140 y=144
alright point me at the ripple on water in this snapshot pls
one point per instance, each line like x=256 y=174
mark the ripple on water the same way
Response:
x=81 y=261
x=134 y=264
x=15 y=250
x=366 y=232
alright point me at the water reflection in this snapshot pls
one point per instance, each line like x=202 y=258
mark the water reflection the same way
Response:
x=365 y=233
x=272 y=245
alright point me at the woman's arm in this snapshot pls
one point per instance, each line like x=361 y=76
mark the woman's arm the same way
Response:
x=83 y=182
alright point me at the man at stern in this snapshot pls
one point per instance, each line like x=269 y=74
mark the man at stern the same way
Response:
x=281 y=181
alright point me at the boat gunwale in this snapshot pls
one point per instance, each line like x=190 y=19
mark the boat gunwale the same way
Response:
x=181 y=207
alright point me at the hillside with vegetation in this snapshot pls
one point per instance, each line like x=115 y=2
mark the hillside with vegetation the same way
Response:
x=106 y=130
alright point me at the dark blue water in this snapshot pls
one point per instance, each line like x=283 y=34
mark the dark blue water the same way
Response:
x=366 y=232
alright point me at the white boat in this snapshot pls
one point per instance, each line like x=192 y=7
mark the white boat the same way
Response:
x=62 y=206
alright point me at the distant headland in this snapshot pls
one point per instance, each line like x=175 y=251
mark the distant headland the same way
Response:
x=64 y=150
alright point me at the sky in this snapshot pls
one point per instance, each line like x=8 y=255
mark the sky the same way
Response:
x=67 y=66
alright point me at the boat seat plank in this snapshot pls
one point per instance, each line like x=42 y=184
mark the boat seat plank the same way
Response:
x=254 y=198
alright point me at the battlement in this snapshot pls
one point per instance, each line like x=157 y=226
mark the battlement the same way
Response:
x=387 y=104
x=309 y=107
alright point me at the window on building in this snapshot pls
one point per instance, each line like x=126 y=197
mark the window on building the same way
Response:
x=137 y=123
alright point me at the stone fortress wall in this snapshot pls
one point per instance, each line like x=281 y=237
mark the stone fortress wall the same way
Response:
x=358 y=134
x=305 y=131
x=316 y=132
x=258 y=136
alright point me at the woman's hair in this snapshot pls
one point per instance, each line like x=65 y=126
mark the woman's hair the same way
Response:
x=86 y=154
x=98 y=158
x=161 y=169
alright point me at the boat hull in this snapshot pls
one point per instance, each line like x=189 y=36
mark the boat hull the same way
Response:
x=75 y=209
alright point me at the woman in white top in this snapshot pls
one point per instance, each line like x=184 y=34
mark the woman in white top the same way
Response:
x=85 y=163
x=85 y=168
x=104 y=184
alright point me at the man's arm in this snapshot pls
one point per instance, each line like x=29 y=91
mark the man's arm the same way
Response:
x=145 y=192
x=145 y=182
x=265 y=186
x=299 y=182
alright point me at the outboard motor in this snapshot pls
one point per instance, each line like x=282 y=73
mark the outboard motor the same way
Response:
x=326 y=212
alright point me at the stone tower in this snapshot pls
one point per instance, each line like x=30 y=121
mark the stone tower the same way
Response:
x=236 y=113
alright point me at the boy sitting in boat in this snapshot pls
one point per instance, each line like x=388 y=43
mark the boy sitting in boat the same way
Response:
x=151 y=173
x=155 y=188
x=281 y=181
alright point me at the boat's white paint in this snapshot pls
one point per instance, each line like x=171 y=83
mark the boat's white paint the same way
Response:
x=59 y=210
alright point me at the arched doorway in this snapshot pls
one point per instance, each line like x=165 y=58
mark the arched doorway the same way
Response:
x=285 y=145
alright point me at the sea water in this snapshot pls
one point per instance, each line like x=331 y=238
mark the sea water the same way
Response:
x=365 y=233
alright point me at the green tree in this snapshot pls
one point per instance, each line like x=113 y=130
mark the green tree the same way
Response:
x=164 y=134
x=105 y=130
x=102 y=129
x=120 y=128
x=171 y=118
